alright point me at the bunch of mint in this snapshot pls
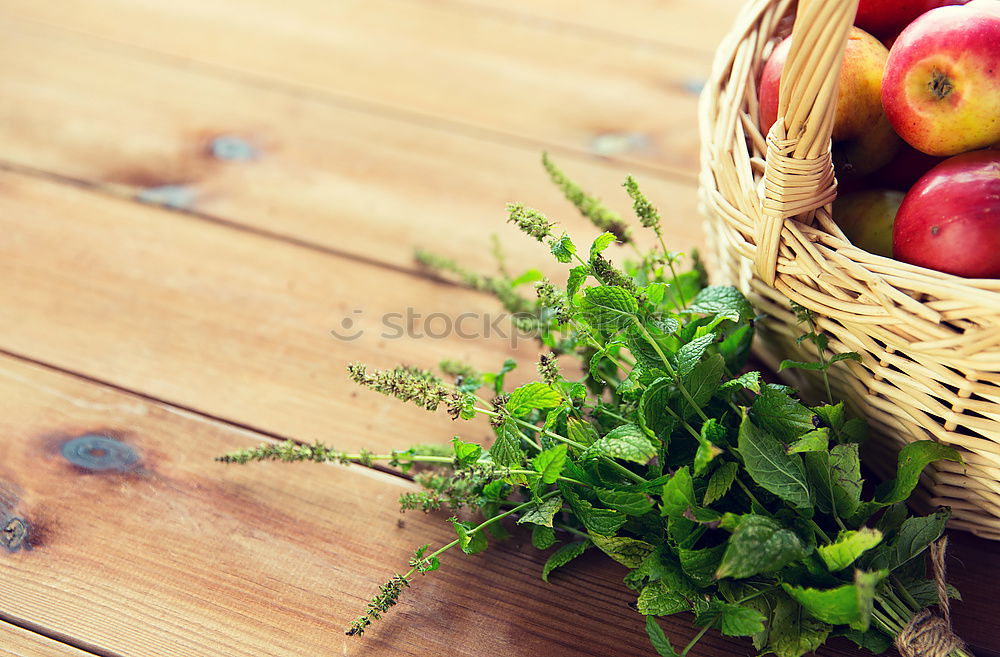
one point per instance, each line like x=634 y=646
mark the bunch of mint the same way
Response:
x=647 y=438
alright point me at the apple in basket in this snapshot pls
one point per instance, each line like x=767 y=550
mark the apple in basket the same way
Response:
x=863 y=138
x=950 y=219
x=941 y=89
x=866 y=217
x=886 y=18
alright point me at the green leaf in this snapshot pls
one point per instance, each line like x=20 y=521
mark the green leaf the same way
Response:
x=700 y=565
x=653 y=416
x=748 y=380
x=872 y=640
x=914 y=536
x=609 y=307
x=759 y=545
x=657 y=599
x=469 y=542
x=691 y=352
x=817 y=440
x=633 y=504
x=711 y=432
x=581 y=431
x=642 y=346
x=702 y=382
x=563 y=556
x=629 y=552
x=602 y=242
x=466 y=453
x=563 y=248
x=771 y=467
x=835 y=478
x=678 y=493
x=720 y=482
x=655 y=292
x=549 y=464
x=737 y=620
x=792 y=631
x=912 y=460
x=722 y=300
x=506 y=450
x=531 y=396
x=530 y=276
x=848 y=547
x=597 y=521
x=802 y=365
x=541 y=513
x=543 y=537
x=661 y=644
x=627 y=443
x=780 y=415
x=850 y=604
x=577 y=275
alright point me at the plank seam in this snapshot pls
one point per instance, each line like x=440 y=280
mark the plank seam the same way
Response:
x=58 y=637
x=371 y=107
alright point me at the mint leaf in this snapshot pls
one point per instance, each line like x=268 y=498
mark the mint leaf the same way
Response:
x=577 y=275
x=563 y=556
x=691 y=352
x=532 y=396
x=817 y=440
x=774 y=470
x=748 y=380
x=792 y=632
x=465 y=453
x=530 y=276
x=563 y=248
x=633 y=504
x=737 y=620
x=720 y=482
x=848 y=547
x=914 y=536
x=912 y=460
x=678 y=493
x=780 y=415
x=835 y=478
x=629 y=552
x=657 y=599
x=850 y=604
x=581 y=432
x=700 y=565
x=541 y=513
x=711 y=432
x=722 y=300
x=506 y=450
x=470 y=543
x=600 y=244
x=653 y=415
x=872 y=640
x=549 y=464
x=702 y=382
x=627 y=443
x=543 y=537
x=759 y=545
x=609 y=307
x=659 y=640
x=597 y=521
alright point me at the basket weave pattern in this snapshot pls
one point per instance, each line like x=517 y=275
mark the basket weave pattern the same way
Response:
x=930 y=342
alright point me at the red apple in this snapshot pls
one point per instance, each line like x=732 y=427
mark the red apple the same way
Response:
x=866 y=218
x=941 y=89
x=950 y=220
x=855 y=159
x=858 y=100
x=886 y=18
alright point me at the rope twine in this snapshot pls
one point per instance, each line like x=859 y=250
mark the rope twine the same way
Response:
x=929 y=635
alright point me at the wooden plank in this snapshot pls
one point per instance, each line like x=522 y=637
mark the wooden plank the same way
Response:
x=356 y=182
x=18 y=642
x=512 y=79
x=230 y=323
x=180 y=556
x=696 y=25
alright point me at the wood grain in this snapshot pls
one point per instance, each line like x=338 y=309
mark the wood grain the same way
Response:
x=17 y=642
x=474 y=70
x=180 y=556
x=696 y=25
x=359 y=183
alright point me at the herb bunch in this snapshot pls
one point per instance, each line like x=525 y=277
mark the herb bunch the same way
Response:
x=647 y=438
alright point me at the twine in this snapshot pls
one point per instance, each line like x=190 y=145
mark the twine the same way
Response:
x=928 y=635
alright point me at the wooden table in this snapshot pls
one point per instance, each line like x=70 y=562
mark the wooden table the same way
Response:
x=192 y=195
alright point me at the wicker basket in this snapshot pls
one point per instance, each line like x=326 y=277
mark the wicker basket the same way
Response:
x=930 y=342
